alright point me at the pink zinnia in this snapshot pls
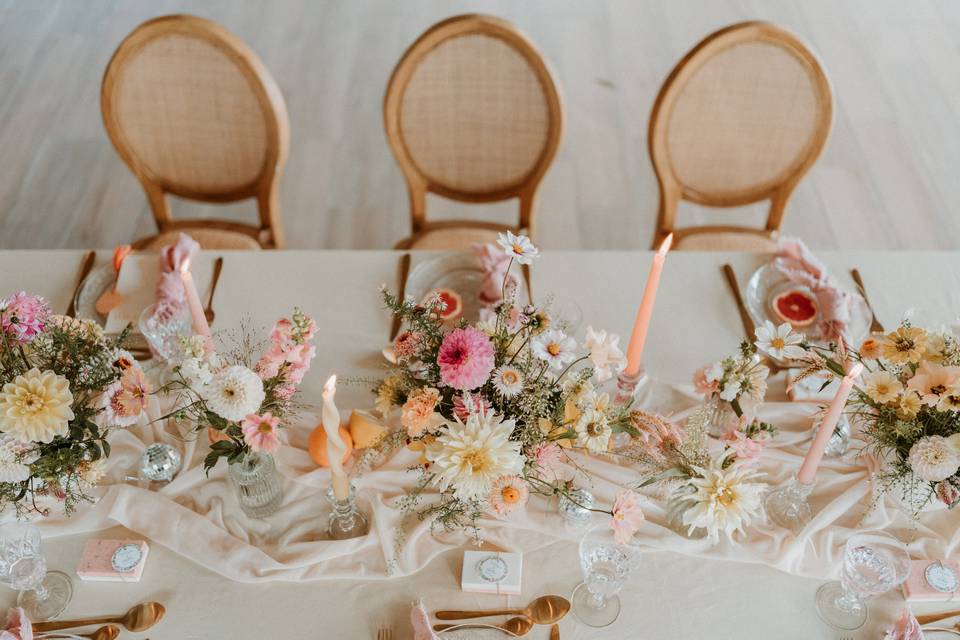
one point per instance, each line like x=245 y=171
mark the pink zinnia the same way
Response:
x=464 y=405
x=465 y=359
x=627 y=517
x=261 y=432
x=23 y=317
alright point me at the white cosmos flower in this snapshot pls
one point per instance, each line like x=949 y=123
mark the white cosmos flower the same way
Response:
x=234 y=393
x=470 y=456
x=881 y=386
x=934 y=458
x=518 y=247
x=593 y=431
x=780 y=342
x=604 y=351
x=508 y=381
x=554 y=347
x=723 y=499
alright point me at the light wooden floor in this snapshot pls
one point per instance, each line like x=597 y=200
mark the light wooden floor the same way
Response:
x=889 y=177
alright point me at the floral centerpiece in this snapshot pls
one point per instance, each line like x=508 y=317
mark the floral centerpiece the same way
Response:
x=64 y=386
x=495 y=407
x=907 y=408
x=242 y=402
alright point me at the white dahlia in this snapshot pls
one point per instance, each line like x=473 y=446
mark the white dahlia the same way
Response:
x=723 y=499
x=35 y=407
x=934 y=458
x=234 y=393
x=470 y=456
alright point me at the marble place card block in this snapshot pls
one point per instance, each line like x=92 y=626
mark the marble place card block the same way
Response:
x=113 y=560
x=491 y=572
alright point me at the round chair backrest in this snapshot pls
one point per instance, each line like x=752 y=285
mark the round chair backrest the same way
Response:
x=472 y=111
x=191 y=109
x=745 y=114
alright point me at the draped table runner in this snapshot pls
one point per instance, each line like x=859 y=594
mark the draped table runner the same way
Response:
x=695 y=322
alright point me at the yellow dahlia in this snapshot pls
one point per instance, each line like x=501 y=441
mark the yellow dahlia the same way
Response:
x=35 y=407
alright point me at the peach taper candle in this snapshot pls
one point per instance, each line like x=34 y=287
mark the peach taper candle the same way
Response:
x=808 y=470
x=642 y=324
x=198 y=318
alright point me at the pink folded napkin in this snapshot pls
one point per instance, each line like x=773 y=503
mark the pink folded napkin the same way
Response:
x=172 y=258
x=421 y=623
x=494 y=263
x=905 y=628
x=18 y=626
x=794 y=260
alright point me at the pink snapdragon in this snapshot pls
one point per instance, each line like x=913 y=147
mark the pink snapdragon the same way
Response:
x=261 y=433
x=23 y=317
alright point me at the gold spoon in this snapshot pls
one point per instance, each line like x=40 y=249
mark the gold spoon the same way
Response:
x=140 y=617
x=518 y=626
x=543 y=610
x=109 y=632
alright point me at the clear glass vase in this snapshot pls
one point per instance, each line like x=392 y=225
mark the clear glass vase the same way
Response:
x=721 y=417
x=677 y=507
x=257 y=483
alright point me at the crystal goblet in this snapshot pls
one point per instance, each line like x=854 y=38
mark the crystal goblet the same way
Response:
x=874 y=562
x=43 y=594
x=605 y=566
x=162 y=325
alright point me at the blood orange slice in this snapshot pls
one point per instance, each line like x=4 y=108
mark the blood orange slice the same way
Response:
x=453 y=303
x=797 y=307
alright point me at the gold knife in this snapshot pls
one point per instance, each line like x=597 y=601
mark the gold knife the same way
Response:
x=748 y=327
x=404 y=270
x=555 y=632
x=526 y=277
x=875 y=326
x=936 y=617
x=86 y=267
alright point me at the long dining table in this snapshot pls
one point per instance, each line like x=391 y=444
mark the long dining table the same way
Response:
x=678 y=590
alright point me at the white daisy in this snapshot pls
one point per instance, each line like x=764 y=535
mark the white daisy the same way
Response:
x=470 y=456
x=234 y=393
x=555 y=348
x=780 y=342
x=604 y=351
x=593 y=431
x=518 y=247
x=508 y=381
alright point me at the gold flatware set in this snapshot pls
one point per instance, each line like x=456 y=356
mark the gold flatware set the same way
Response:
x=139 y=617
x=545 y=610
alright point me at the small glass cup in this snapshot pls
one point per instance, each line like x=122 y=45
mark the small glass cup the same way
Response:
x=874 y=562
x=605 y=566
x=43 y=594
x=162 y=325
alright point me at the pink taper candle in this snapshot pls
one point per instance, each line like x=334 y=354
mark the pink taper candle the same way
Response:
x=645 y=312
x=815 y=454
x=199 y=319
x=336 y=447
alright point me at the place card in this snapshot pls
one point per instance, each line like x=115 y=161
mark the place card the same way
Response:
x=932 y=581
x=491 y=572
x=113 y=560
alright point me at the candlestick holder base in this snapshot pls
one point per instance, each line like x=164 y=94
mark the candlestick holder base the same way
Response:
x=787 y=506
x=627 y=385
x=346 y=519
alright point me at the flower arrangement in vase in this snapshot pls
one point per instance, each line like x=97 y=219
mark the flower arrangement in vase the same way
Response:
x=907 y=408
x=495 y=408
x=63 y=387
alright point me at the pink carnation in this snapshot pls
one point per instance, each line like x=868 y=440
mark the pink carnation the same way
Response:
x=464 y=405
x=465 y=359
x=23 y=317
x=261 y=432
x=407 y=345
x=627 y=517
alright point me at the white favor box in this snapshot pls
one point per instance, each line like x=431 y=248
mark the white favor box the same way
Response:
x=491 y=572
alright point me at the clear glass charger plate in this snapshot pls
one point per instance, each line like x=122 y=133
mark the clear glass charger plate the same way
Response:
x=94 y=285
x=459 y=272
x=767 y=282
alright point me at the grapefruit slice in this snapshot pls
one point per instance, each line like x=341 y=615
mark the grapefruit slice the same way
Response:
x=452 y=301
x=795 y=306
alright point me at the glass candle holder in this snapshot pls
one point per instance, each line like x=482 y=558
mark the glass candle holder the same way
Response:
x=627 y=385
x=788 y=507
x=346 y=519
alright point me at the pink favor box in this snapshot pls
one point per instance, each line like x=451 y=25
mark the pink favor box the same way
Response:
x=113 y=560
x=917 y=589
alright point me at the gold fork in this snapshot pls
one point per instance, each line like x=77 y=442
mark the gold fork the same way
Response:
x=384 y=634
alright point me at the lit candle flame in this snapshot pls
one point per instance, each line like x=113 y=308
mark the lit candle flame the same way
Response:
x=666 y=244
x=330 y=386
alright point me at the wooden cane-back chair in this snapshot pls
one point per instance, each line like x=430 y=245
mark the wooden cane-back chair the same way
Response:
x=194 y=113
x=472 y=113
x=740 y=119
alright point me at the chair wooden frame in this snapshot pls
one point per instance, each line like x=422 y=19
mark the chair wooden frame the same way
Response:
x=264 y=188
x=418 y=182
x=778 y=189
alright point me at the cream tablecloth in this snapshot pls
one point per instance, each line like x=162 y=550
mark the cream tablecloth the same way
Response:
x=695 y=322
